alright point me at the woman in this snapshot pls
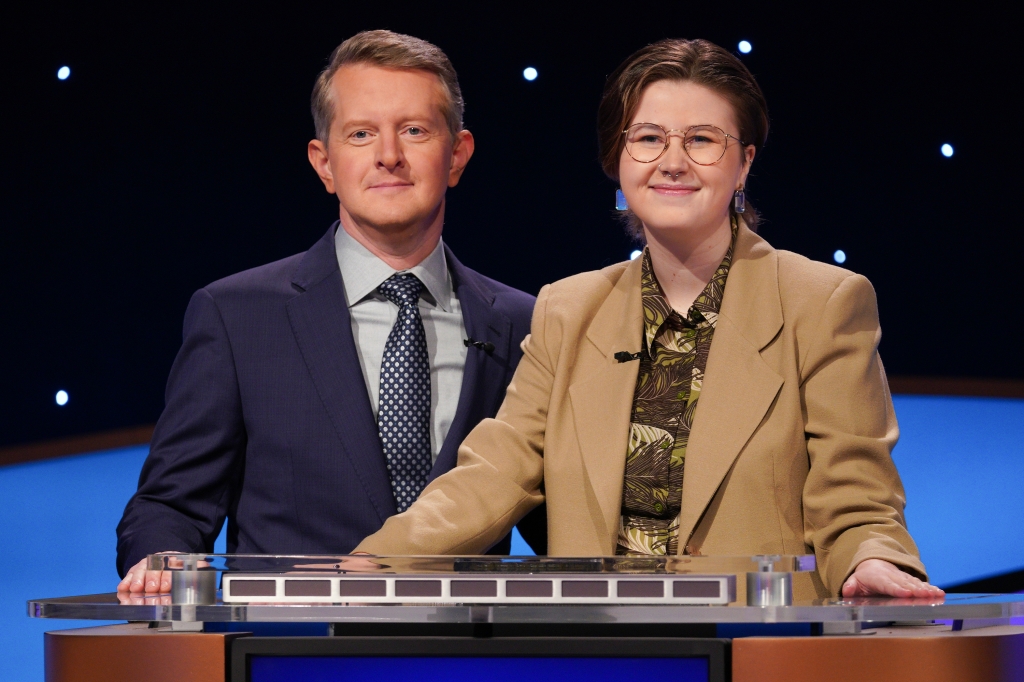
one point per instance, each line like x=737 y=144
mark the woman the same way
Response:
x=714 y=396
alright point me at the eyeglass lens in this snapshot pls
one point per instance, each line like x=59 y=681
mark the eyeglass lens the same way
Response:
x=705 y=145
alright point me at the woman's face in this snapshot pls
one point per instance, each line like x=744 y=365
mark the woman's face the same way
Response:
x=673 y=192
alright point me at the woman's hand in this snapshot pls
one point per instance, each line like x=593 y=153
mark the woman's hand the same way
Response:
x=877 y=578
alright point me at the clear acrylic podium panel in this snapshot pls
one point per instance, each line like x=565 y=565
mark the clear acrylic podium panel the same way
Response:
x=442 y=565
x=638 y=573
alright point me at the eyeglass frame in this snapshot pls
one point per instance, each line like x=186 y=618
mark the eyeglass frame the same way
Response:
x=668 y=141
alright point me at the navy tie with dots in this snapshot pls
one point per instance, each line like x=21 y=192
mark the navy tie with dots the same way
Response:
x=403 y=418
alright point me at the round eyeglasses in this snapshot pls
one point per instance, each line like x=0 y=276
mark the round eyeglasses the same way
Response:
x=704 y=144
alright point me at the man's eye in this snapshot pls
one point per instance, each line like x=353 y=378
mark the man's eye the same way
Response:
x=416 y=131
x=361 y=137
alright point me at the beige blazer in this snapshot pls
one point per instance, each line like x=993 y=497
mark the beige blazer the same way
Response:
x=789 y=451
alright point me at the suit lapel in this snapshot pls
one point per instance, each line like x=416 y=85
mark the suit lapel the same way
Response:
x=323 y=331
x=602 y=396
x=483 y=373
x=739 y=387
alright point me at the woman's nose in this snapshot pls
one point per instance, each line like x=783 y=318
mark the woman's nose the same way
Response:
x=674 y=161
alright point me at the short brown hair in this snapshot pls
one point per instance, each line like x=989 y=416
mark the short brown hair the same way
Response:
x=697 y=61
x=390 y=50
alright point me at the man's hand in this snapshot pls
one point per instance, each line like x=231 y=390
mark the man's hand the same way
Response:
x=138 y=579
x=129 y=599
x=877 y=578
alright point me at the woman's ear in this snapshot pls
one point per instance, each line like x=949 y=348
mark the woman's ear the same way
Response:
x=748 y=158
x=748 y=153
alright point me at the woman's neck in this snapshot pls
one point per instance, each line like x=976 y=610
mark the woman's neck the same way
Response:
x=684 y=261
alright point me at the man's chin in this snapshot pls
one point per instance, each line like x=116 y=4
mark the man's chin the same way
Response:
x=392 y=225
x=394 y=222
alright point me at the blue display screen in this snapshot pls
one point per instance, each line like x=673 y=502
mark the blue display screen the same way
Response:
x=469 y=668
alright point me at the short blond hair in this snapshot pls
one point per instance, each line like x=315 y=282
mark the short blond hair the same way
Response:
x=390 y=50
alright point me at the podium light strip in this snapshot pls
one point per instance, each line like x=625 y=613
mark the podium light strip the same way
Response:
x=460 y=589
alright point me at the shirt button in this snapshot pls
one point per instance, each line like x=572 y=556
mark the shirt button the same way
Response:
x=658 y=507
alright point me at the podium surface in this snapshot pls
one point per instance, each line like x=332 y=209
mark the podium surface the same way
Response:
x=489 y=617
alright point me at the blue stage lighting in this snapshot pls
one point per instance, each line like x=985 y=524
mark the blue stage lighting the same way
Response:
x=745 y=46
x=947 y=150
x=63 y=73
x=635 y=254
x=839 y=256
x=530 y=73
x=61 y=398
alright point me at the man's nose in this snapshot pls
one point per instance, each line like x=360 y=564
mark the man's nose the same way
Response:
x=389 y=151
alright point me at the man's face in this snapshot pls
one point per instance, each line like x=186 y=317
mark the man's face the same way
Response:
x=390 y=156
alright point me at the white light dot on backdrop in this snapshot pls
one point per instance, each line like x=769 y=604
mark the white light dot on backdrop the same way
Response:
x=530 y=73
x=947 y=150
x=745 y=46
x=839 y=256
x=61 y=398
x=63 y=73
x=635 y=255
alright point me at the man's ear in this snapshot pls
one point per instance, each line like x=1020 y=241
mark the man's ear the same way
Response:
x=317 y=153
x=462 y=151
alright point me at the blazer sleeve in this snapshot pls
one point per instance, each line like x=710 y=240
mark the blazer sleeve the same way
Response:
x=853 y=497
x=500 y=469
x=197 y=449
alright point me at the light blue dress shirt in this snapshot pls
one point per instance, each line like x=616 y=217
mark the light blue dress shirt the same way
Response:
x=373 y=316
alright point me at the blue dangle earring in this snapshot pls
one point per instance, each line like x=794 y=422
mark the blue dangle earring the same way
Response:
x=620 y=201
x=739 y=201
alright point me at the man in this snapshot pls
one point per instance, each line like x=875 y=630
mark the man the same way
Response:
x=316 y=396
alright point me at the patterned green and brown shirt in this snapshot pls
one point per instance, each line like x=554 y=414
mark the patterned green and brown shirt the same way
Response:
x=672 y=364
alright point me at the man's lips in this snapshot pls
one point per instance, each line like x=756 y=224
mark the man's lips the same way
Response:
x=390 y=185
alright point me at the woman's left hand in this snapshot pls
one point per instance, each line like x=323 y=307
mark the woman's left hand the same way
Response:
x=877 y=578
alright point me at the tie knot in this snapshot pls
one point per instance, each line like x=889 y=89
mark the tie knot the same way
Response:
x=402 y=289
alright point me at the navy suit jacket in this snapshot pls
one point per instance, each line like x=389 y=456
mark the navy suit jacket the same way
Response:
x=268 y=421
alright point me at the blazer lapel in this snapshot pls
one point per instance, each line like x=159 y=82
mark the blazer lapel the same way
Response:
x=739 y=387
x=483 y=373
x=602 y=397
x=323 y=331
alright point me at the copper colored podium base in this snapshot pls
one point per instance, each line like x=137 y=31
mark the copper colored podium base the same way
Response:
x=136 y=652
x=905 y=654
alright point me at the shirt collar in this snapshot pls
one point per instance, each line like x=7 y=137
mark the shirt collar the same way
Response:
x=362 y=272
x=656 y=307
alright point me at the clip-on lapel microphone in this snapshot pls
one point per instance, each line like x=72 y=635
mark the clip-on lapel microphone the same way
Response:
x=485 y=346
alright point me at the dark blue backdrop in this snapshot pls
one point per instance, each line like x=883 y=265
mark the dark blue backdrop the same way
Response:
x=174 y=155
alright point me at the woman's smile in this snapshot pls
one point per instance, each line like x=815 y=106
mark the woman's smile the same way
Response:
x=674 y=190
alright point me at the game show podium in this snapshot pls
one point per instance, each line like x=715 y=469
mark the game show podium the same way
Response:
x=522 y=618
